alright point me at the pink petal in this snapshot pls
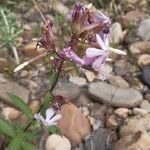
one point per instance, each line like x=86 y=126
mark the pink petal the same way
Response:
x=88 y=60
x=54 y=119
x=93 y=52
x=100 y=42
x=97 y=63
x=49 y=113
x=39 y=117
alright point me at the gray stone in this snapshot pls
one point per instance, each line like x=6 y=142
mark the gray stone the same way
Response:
x=115 y=96
x=99 y=141
x=3 y=79
x=12 y=87
x=146 y=75
x=139 y=111
x=145 y=105
x=144 y=28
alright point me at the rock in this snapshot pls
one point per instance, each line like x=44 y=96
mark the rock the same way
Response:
x=85 y=111
x=145 y=105
x=118 y=81
x=122 y=112
x=78 y=81
x=99 y=141
x=111 y=122
x=3 y=79
x=147 y=96
x=83 y=100
x=97 y=123
x=144 y=60
x=10 y=113
x=116 y=33
x=135 y=124
x=12 y=87
x=57 y=142
x=137 y=141
x=74 y=125
x=89 y=75
x=29 y=49
x=146 y=75
x=139 y=111
x=34 y=106
x=68 y=90
x=114 y=96
x=140 y=47
x=143 y=30
x=61 y=8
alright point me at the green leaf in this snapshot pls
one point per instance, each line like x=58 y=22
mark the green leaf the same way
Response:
x=6 y=128
x=28 y=146
x=29 y=136
x=16 y=143
x=48 y=97
x=21 y=105
x=54 y=130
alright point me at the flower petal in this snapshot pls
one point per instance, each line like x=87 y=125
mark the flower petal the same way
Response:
x=54 y=119
x=39 y=118
x=93 y=52
x=49 y=113
x=100 y=42
x=97 y=63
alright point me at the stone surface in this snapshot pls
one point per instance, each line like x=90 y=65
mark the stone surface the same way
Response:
x=147 y=96
x=146 y=75
x=99 y=141
x=57 y=142
x=122 y=112
x=135 y=124
x=83 y=100
x=116 y=33
x=78 y=81
x=68 y=90
x=89 y=75
x=10 y=113
x=145 y=105
x=111 y=122
x=74 y=125
x=12 y=87
x=34 y=106
x=140 y=47
x=144 y=60
x=137 y=141
x=114 y=96
x=118 y=81
x=3 y=79
x=139 y=111
x=144 y=28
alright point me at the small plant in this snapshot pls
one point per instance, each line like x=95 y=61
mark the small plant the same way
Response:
x=87 y=47
x=9 y=30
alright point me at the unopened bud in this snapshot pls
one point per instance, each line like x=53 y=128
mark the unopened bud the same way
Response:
x=20 y=67
x=117 y=51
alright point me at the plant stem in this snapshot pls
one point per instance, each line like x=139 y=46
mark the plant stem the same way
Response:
x=15 y=54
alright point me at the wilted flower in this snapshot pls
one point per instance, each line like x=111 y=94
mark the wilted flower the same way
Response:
x=51 y=118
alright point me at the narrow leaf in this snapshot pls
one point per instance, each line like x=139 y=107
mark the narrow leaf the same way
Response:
x=6 y=128
x=21 y=105
x=54 y=130
x=28 y=146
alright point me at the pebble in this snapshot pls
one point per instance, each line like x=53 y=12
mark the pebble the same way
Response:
x=145 y=105
x=74 y=125
x=111 y=122
x=144 y=60
x=34 y=106
x=118 y=81
x=122 y=112
x=78 y=81
x=147 y=96
x=3 y=79
x=89 y=75
x=12 y=87
x=146 y=75
x=139 y=111
x=83 y=100
x=85 y=111
x=114 y=96
x=10 y=113
x=57 y=142
x=143 y=30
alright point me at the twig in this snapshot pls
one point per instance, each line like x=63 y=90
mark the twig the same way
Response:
x=38 y=9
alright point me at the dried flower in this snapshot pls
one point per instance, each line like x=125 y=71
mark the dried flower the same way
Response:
x=51 y=118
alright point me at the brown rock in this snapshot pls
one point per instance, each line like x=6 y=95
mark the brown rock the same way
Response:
x=145 y=105
x=34 y=106
x=10 y=113
x=122 y=112
x=29 y=49
x=144 y=60
x=118 y=81
x=140 y=47
x=137 y=141
x=89 y=75
x=74 y=125
x=135 y=124
x=111 y=122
